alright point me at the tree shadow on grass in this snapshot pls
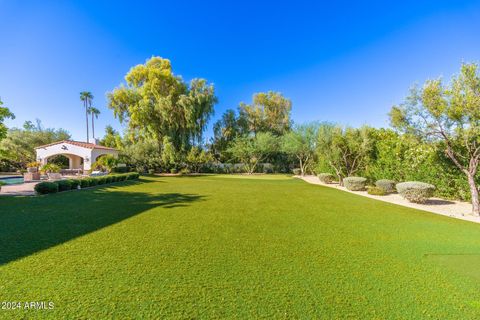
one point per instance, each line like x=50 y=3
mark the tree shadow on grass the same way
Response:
x=32 y=224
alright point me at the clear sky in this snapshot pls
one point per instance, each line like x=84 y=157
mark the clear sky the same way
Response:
x=340 y=61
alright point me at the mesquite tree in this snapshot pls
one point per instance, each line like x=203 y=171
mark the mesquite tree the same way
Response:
x=301 y=142
x=449 y=114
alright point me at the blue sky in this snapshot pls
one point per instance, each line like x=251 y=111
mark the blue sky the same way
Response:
x=339 y=61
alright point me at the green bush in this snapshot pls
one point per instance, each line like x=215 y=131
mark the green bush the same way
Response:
x=120 y=169
x=355 y=183
x=75 y=183
x=102 y=180
x=326 y=177
x=122 y=177
x=173 y=171
x=387 y=185
x=46 y=187
x=85 y=183
x=376 y=191
x=297 y=171
x=414 y=191
x=132 y=175
x=92 y=181
x=64 y=185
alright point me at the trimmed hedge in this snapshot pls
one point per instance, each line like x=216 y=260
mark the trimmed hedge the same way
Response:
x=376 y=191
x=355 y=183
x=387 y=185
x=72 y=184
x=326 y=178
x=46 y=187
x=415 y=191
x=64 y=185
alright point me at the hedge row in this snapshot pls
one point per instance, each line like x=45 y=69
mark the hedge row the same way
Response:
x=72 y=184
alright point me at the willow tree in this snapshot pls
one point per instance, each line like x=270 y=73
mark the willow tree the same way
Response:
x=156 y=103
x=450 y=115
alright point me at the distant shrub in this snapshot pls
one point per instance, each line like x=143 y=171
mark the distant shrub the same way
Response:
x=64 y=185
x=414 y=191
x=297 y=171
x=387 y=185
x=46 y=187
x=102 y=180
x=354 y=183
x=122 y=177
x=92 y=181
x=173 y=170
x=75 y=183
x=132 y=175
x=123 y=169
x=326 y=177
x=151 y=171
x=376 y=191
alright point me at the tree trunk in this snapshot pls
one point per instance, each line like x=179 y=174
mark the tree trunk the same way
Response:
x=86 y=117
x=301 y=167
x=474 y=193
x=93 y=129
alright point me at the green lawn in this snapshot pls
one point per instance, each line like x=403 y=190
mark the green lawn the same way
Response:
x=233 y=247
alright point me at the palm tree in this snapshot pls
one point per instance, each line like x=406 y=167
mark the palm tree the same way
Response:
x=94 y=112
x=86 y=97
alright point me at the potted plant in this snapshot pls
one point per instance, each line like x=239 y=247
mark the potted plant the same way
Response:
x=52 y=170
x=32 y=167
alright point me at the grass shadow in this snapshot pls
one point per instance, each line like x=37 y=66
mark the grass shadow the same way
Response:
x=32 y=224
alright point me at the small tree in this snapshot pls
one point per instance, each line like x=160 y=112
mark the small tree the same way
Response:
x=196 y=158
x=106 y=163
x=301 y=143
x=346 y=151
x=253 y=150
x=449 y=114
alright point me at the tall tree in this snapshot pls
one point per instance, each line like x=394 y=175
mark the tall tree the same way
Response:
x=94 y=112
x=301 y=143
x=87 y=98
x=4 y=114
x=225 y=131
x=449 y=114
x=111 y=138
x=156 y=103
x=269 y=112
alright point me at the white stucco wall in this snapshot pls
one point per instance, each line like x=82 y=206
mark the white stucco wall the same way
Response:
x=89 y=155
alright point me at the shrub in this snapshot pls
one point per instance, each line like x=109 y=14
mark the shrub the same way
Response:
x=50 y=168
x=326 y=177
x=75 y=183
x=2 y=184
x=297 y=171
x=85 y=183
x=387 y=185
x=151 y=171
x=414 y=191
x=355 y=183
x=173 y=171
x=132 y=175
x=122 y=169
x=46 y=187
x=64 y=185
x=92 y=181
x=109 y=179
x=101 y=180
x=122 y=177
x=376 y=191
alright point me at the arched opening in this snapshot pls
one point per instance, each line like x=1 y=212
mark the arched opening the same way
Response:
x=60 y=160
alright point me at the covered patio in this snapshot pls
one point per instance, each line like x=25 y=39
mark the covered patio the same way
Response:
x=81 y=155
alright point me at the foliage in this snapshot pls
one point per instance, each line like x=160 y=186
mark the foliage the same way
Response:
x=449 y=114
x=64 y=185
x=345 y=150
x=158 y=104
x=417 y=192
x=46 y=187
x=142 y=155
x=84 y=183
x=74 y=183
x=19 y=145
x=386 y=185
x=326 y=177
x=355 y=183
x=106 y=162
x=196 y=158
x=251 y=151
x=50 y=168
x=112 y=138
x=33 y=164
x=86 y=97
x=269 y=112
x=297 y=171
x=376 y=191
x=4 y=114
x=225 y=131
x=301 y=143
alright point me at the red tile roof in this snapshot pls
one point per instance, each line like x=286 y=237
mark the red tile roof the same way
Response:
x=79 y=144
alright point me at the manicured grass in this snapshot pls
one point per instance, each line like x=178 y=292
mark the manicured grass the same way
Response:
x=231 y=247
